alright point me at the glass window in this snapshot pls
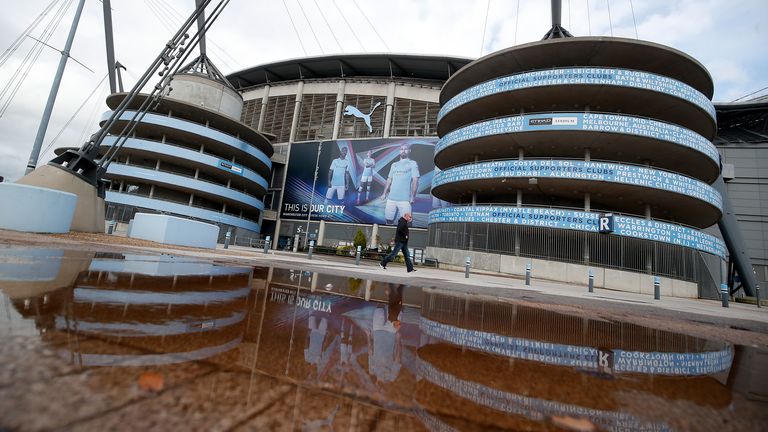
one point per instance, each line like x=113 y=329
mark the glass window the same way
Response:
x=279 y=116
x=414 y=118
x=251 y=113
x=316 y=116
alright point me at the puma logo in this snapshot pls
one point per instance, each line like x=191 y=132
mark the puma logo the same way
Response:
x=353 y=111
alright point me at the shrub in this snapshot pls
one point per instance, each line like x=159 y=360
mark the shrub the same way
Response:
x=360 y=239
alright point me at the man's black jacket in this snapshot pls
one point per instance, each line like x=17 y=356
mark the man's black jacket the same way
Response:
x=401 y=235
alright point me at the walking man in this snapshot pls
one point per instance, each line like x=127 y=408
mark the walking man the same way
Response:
x=401 y=243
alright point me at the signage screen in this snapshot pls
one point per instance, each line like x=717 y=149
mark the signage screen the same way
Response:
x=361 y=181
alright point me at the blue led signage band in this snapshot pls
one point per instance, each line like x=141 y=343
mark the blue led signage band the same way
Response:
x=582 y=170
x=581 y=76
x=582 y=221
x=586 y=122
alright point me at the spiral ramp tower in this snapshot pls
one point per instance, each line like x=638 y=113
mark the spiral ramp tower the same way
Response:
x=190 y=156
x=581 y=153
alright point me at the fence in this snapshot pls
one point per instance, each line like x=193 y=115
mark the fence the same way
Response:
x=637 y=255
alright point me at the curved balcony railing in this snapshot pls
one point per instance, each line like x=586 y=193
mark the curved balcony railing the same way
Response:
x=181 y=209
x=581 y=76
x=203 y=159
x=600 y=122
x=194 y=128
x=185 y=183
x=567 y=169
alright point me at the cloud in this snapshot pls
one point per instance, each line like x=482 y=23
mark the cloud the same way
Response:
x=726 y=36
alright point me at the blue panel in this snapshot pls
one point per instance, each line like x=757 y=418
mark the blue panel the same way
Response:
x=186 y=183
x=582 y=170
x=182 y=153
x=180 y=209
x=194 y=128
x=590 y=122
x=581 y=76
x=582 y=221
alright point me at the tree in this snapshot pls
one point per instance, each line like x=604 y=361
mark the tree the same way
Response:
x=360 y=239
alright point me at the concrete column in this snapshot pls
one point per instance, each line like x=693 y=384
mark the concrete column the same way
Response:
x=157 y=165
x=587 y=202
x=276 y=234
x=321 y=233
x=520 y=154
x=296 y=110
x=648 y=211
x=151 y=191
x=339 y=109
x=587 y=155
x=191 y=199
x=162 y=140
x=197 y=173
x=390 y=106
x=202 y=148
x=263 y=113
x=224 y=208
x=374 y=233
x=519 y=198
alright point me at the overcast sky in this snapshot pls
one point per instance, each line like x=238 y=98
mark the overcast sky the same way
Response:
x=727 y=36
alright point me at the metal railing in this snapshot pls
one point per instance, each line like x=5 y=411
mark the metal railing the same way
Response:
x=581 y=247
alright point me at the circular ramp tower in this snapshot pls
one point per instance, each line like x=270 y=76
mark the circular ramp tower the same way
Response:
x=582 y=153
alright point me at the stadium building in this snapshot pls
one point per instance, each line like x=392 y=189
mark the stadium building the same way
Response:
x=567 y=155
x=347 y=128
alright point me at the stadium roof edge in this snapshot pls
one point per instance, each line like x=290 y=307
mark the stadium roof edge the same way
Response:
x=388 y=65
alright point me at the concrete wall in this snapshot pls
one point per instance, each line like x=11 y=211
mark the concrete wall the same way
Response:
x=174 y=230
x=36 y=209
x=208 y=94
x=576 y=274
x=748 y=192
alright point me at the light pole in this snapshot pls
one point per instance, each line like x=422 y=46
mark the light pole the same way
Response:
x=314 y=183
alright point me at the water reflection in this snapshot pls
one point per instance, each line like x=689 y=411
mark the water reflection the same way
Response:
x=357 y=354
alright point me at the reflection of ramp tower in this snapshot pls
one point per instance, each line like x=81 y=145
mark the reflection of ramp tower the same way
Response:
x=530 y=364
x=541 y=141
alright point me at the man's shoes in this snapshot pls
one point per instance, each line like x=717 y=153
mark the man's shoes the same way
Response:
x=412 y=271
x=383 y=267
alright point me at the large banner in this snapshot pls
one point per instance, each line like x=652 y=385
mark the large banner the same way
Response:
x=361 y=181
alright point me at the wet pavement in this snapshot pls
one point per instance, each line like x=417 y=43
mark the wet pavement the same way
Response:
x=95 y=341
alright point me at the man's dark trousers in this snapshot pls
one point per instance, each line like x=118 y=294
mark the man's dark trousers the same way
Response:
x=399 y=246
x=401 y=243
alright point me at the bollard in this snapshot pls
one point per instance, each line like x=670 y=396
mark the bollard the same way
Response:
x=227 y=237
x=656 y=288
x=467 y=264
x=757 y=294
x=591 y=281
x=724 y=294
x=528 y=274
x=311 y=248
x=266 y=244
x=357 y=255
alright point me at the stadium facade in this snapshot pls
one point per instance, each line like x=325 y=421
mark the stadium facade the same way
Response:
x=540 y=146
x=344 y=126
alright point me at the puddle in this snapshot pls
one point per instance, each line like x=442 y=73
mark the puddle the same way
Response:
x=227 y=347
